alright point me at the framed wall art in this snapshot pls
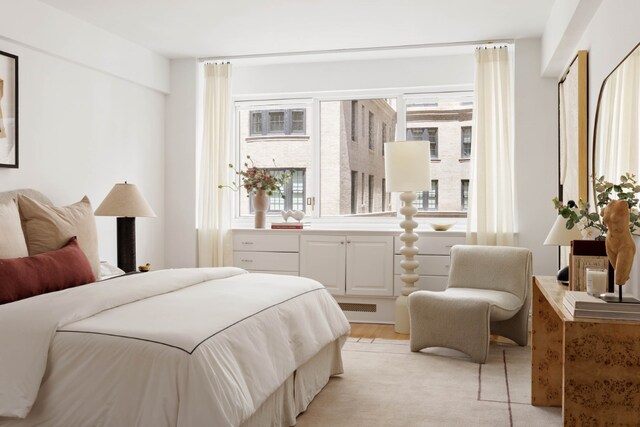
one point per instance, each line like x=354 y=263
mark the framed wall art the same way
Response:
x=8 y=110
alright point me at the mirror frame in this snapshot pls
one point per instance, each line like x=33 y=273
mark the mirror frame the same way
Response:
x=595 y=123
x=583 y=127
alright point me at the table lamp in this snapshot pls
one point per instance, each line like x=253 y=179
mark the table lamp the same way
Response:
x=407 y=170
x=560 y=235
x=126 y=202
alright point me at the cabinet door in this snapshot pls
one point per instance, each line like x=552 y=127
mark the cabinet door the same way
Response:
x=370 y=265
x=322 y=259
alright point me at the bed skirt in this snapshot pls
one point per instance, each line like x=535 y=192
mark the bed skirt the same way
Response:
x=293 y=397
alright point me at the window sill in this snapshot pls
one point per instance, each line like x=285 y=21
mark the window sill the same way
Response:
x=260 y=138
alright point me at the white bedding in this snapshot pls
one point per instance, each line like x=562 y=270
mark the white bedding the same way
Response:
x=188 y=347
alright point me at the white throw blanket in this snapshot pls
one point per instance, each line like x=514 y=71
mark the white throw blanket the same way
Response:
x=172 y=347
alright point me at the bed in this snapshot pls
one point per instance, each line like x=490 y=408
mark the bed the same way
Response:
x=182 y=347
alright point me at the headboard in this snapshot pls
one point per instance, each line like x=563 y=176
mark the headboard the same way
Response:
x=5 y=196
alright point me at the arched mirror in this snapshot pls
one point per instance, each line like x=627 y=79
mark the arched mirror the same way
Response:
x=616 y=142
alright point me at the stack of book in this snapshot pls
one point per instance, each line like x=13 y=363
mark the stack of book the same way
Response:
x=286 y=226
x=581 y=304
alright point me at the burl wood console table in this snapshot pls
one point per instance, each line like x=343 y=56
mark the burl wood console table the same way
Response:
x=589 y=367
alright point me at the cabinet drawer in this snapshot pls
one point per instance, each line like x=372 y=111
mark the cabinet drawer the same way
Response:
x=266 y=261
x=433 y=245
x=424 y=283
x=279 y=242
x=430 y=265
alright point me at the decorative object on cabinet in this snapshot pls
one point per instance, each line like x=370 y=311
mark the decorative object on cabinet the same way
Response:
x=437 y=226
x=620 y=246
x=8 y=110
x=561 y=234
x=487 y=293
x=298 y=215
x=407 y=170
x=585 y=254
x=286 y=215
x=260 y=206
x=572 y=130
x=126 y=202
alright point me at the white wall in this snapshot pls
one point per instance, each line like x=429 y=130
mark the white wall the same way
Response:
x=536 y=154
x=181 y=130
x=611 y=34
x=82 y=129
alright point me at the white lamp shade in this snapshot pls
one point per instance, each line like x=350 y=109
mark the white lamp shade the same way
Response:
x=560 y=235
x=125 y=200
x=407 y=166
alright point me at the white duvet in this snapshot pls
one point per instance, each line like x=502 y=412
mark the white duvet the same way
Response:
x=189 y=347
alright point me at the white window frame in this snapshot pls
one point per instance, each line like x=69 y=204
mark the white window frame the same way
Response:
x=311 y=101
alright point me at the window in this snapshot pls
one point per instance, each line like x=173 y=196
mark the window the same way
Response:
x=427 y=200
x=384 y=195
x=464 y=190
x=348 y=178
x=354 y=112
x=372 y=132
x=466 y=142
x=370 y=193
x=440 y=118
x=432 y=136
x=354 y=192
x=256 y=123
x=278 y=122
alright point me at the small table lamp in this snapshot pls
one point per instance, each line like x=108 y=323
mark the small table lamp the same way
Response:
x=126 y=202
x=560 y=235
x=407 y=170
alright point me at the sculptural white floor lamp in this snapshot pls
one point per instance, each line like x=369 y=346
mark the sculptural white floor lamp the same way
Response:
x=407 y=170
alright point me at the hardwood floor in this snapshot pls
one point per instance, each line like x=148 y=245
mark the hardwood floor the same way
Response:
x=373 y=330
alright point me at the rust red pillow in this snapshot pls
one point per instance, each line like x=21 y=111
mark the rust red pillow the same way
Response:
x=47 y=272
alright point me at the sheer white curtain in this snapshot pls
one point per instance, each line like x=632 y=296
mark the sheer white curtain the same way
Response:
x=213 y=204
x=491 y=213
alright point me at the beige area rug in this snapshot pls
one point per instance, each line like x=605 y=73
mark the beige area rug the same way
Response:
x=385 y=384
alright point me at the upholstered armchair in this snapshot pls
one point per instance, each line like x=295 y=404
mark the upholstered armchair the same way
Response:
x=488 y=292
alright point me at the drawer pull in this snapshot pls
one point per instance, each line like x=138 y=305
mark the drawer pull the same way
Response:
x=246 y=260
x=247 y=243
x=448 y=246
x=348 y=241
x=342 y=243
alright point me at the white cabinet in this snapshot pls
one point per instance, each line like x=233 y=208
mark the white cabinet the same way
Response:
x=259 y=252
x=433 y=257
x=349 y=265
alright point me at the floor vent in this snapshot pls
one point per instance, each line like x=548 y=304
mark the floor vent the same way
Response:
x=366 y=308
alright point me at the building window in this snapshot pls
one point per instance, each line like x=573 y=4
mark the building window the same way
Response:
x=362 y=190
x=354 y=192
x=432 y=136
x=384 y=134
x=354 y=112
x=256 y=123
x=278 y=122
x=372 y=132
x=294 y=192
x=425 y=134
x=427 y=200
x=370 y=193
x=384 y=195
x=464 y=192
x=466 y=142
x=362 y=121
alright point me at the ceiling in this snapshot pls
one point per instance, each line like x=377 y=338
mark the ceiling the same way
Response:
x=222 y=28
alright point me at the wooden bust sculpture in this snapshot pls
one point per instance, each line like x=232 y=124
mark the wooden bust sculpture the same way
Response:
x=620 y=246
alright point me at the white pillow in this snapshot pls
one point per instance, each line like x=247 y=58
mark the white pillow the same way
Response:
x=12 y=242
x=107 y=270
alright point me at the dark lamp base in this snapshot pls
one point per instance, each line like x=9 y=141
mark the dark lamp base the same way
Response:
x=563 y=275
x=127 y=244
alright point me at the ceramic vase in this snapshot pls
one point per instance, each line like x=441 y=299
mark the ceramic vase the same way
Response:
x=260 y=206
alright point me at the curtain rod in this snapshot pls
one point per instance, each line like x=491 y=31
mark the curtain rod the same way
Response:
x=354 y=49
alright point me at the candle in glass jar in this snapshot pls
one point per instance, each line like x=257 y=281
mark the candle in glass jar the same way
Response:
x=597 y=280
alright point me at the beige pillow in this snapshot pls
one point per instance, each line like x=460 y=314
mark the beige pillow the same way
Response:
x=48 y=228
x=12 y=243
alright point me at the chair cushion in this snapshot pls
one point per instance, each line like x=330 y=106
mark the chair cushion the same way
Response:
x=503 y=304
